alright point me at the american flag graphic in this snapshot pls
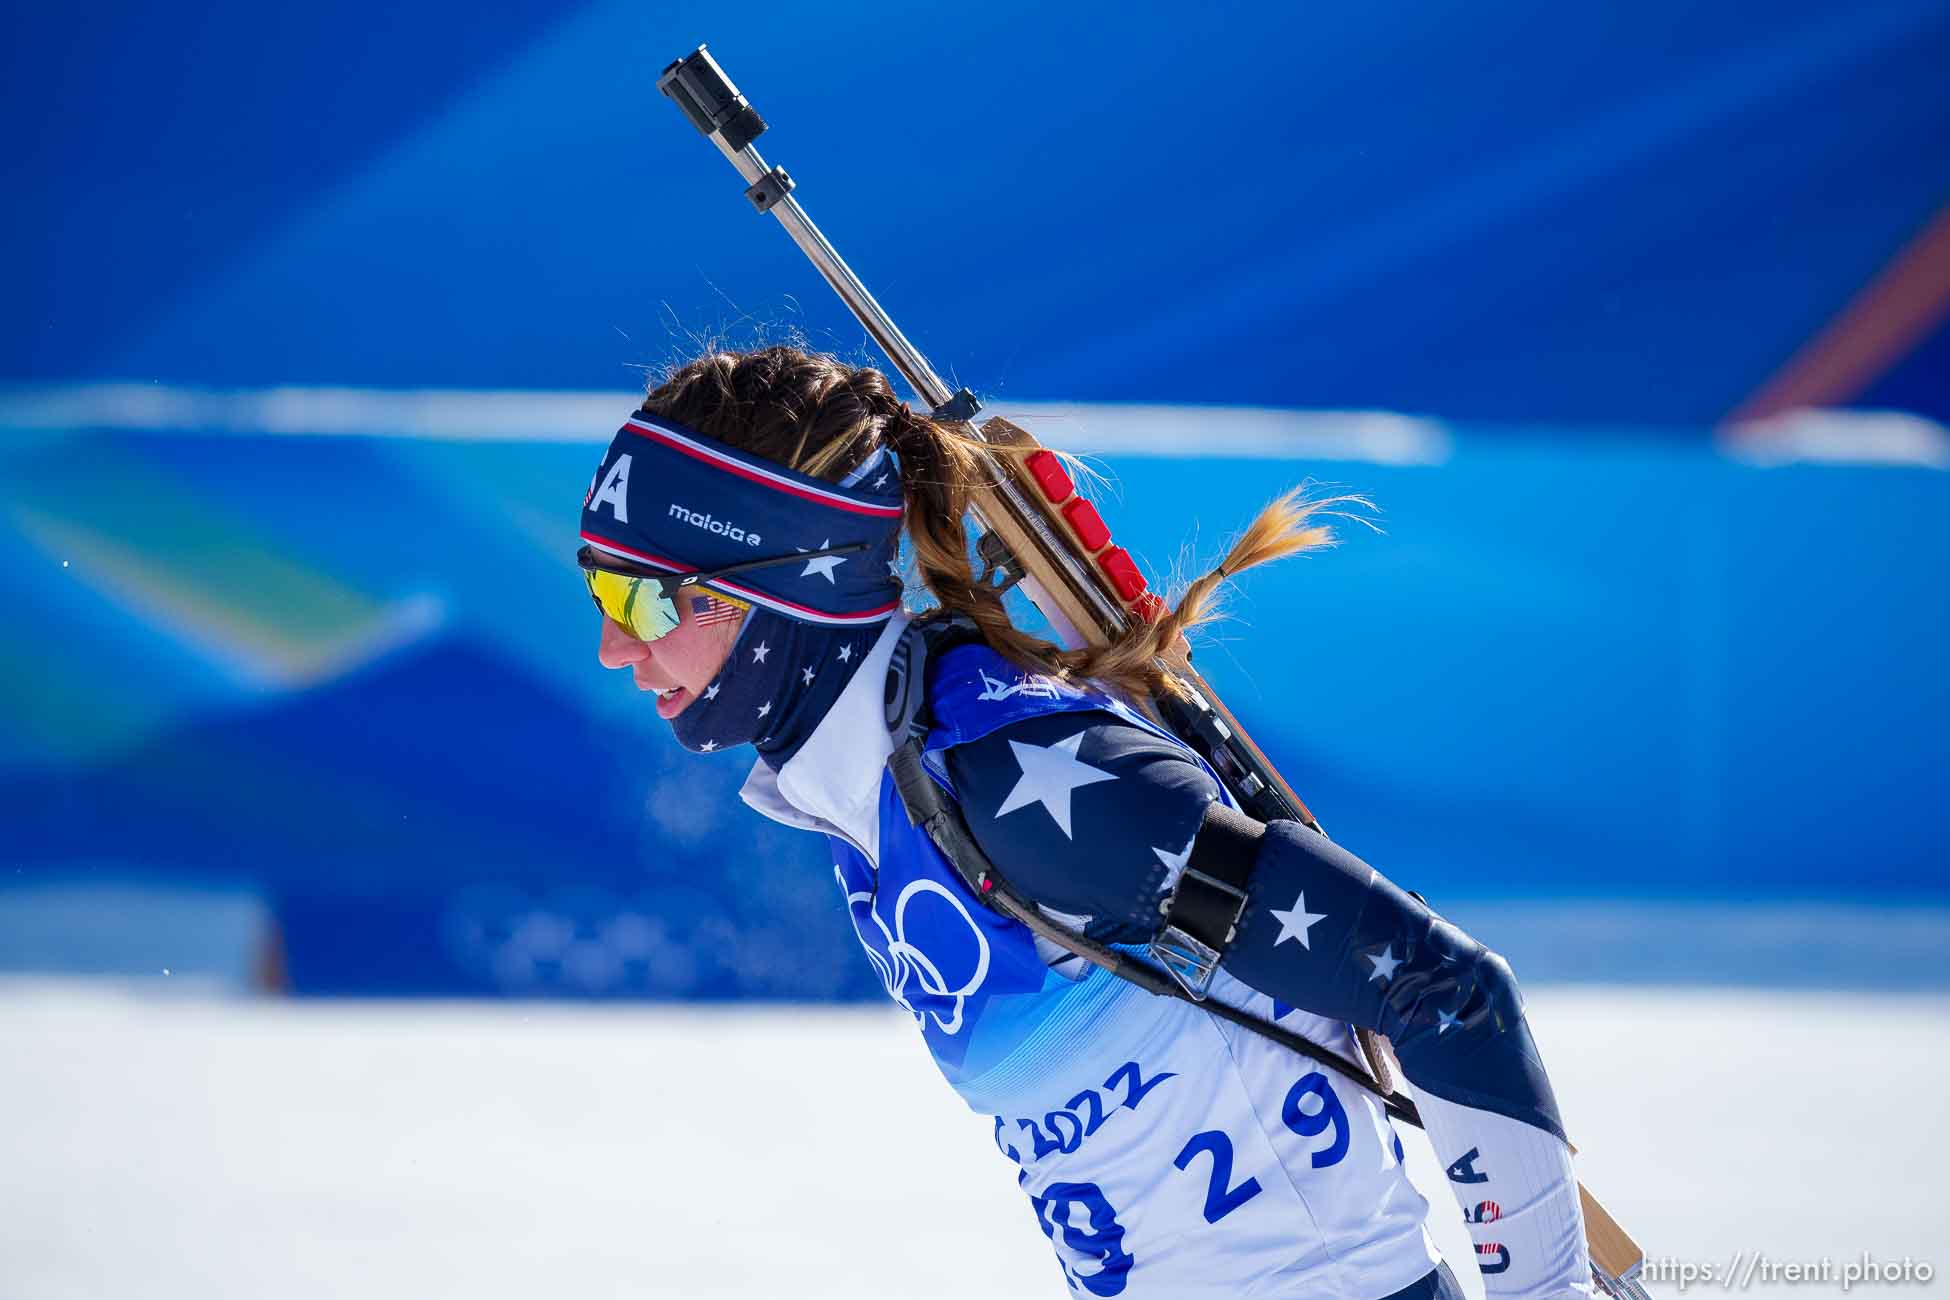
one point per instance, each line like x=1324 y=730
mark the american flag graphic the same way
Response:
x=1486 y=1212
x=717 y=609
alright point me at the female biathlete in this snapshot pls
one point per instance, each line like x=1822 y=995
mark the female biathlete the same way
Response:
x=741 y=540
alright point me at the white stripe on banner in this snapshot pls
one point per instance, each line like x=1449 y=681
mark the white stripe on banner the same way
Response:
x=465 y=415
x=482 y=415
x=1237 y=432
x=1124 y=429
x=1839 y=438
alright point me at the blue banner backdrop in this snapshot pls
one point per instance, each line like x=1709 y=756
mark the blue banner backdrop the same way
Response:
x=1590 y=668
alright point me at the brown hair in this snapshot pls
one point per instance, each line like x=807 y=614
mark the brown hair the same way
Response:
x=820 y=416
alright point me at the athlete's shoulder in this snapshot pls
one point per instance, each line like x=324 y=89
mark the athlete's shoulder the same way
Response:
x=973 y=690
x=1084 y=806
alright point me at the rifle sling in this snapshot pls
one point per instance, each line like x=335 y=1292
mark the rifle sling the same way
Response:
x=931 y=810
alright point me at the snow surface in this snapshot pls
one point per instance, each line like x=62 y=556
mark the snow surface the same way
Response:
x=161 y=1141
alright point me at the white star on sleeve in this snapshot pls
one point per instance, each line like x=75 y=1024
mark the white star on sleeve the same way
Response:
x=807 y=673
x=1384 y=963
x=707 y=746
x=846 y=654
x=1445 y=1021
x=1174 y=862
x=822 y=565
x=1050 y=773
x=711 y=691
x=764 y=708
x=759 y=652
x=1295 y=923
x=881 y=480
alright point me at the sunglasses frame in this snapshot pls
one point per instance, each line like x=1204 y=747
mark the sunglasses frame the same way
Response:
x=591 y=560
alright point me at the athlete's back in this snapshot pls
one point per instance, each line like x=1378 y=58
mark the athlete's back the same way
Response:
x=1164 y=1152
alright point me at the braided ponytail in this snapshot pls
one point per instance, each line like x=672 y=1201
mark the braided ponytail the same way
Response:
x=818 y=415
x=940 y=468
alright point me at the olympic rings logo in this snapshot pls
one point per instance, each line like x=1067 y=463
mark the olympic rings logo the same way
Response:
x=908 y=973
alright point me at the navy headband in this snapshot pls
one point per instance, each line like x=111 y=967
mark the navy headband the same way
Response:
x=672 y=499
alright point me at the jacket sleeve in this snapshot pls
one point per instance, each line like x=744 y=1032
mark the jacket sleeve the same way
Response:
x=1093 y=817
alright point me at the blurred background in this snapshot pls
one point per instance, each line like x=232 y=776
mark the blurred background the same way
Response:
x=1634 y=321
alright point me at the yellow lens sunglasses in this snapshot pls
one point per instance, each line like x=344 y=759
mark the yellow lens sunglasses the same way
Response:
x=644 y=600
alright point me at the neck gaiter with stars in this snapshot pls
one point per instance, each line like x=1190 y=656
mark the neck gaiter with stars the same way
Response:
x=778 y=682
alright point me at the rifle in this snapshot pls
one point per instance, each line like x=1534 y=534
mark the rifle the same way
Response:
x=1038 y=534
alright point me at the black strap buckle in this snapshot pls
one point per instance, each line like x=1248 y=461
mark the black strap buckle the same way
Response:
x=1202 y=913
